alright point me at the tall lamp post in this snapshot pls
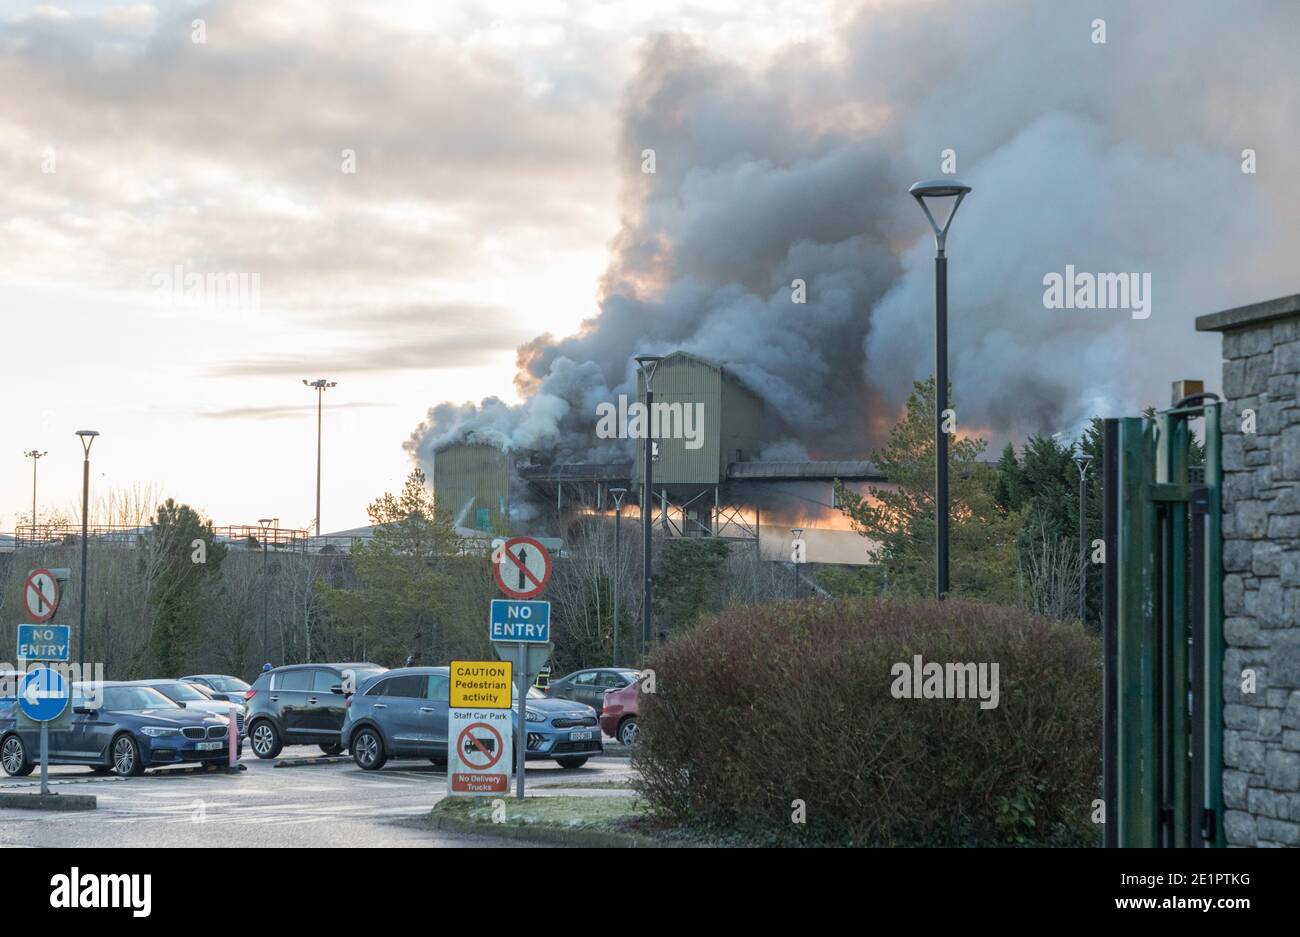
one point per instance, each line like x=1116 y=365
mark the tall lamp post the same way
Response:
x=265 y=524
x=617 y=494
x=647 y=364
x=940 y=188
x=87 y=437
x=35 y=455
x=795 y=534
x=1082 y=459
x=321 y=386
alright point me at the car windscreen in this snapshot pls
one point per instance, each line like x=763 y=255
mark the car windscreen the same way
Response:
x=228 y=684
x=124 y=698
x=533 y=693
x=180 y=692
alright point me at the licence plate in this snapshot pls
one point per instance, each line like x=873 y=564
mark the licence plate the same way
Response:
x=581 y=735
x=209 y=746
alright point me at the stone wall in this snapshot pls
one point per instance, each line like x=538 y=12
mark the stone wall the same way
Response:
x=1261 y=558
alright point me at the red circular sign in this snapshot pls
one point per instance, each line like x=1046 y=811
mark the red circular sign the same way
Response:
x=523 y=568
x=41 y=595
x=470 y=745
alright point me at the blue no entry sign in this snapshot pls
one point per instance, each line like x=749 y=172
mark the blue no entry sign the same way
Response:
x=517 y=621
x=43 y=642
x=43 y=694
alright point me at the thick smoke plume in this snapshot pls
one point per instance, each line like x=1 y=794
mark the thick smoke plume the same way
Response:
x=1122 y=156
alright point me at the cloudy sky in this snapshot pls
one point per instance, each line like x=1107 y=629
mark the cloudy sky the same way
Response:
x=418 y=189
x=485 y=194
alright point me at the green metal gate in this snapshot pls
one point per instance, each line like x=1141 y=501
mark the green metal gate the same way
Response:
x=1163 y=630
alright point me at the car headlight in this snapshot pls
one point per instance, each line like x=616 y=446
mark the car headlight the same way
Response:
x=532 y=715
x=157 y=732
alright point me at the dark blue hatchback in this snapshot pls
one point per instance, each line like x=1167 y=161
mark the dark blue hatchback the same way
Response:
x=120 y=728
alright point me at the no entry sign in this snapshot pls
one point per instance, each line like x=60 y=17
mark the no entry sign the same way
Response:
x=41 y=595
x=523 y=568
x=478 y=751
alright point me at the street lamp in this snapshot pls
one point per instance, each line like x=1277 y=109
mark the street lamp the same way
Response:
x=87 y=437
x=617 y=494
x=940 y=188
x=795 y=534
x=1081 y=459
x=647 y=364
x=265 y=524
x=321 y=386
x=35 y=455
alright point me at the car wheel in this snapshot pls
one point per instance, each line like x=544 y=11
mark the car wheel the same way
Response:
x=13 y=758
x=368 y=750
x=572 y=762
x=628 y=732
x=126 y=757
x=264 y=739
x=333 y=749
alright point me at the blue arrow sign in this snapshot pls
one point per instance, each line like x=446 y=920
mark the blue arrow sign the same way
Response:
x=513 y=620
x=43 y=642
x=43 y=694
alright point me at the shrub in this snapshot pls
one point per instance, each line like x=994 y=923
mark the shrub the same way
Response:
x=763 y=705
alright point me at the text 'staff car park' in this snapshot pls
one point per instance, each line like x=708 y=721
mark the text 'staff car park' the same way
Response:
x=302 y=704
x=118 y=727
x=402 y=713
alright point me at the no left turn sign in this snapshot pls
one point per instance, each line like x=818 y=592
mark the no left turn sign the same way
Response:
x=523 y=568
x=41 y=595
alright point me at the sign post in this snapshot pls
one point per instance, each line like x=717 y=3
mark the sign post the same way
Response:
x=478 y=727
x=43 y=693
x=43 y=696
x=519 y=628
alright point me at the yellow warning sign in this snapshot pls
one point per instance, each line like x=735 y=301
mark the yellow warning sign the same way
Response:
x=482 y=684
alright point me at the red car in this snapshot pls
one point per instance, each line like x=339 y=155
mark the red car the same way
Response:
x=619 y=711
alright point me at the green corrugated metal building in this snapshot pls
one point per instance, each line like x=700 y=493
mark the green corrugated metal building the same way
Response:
x=733 y=422
x=472 y=481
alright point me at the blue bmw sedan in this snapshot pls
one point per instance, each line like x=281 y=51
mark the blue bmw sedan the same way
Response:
x=121 y=728
x=402 y=713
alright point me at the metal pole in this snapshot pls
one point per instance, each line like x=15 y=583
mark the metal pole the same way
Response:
x=85 y=533
x=618 y=554
x=647 y=612
x=521 y=743
x=1083 y=545
x=941 y=437
x=34 y=458
x=266 y=592
x=45 y=758
x=320 y=391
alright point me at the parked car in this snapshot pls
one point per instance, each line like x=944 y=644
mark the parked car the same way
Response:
x=618 y=716
x=589 y=686
x=232 y=688
x=402 y=713
x=302 y=704
x=194 y=697
x=122 y=728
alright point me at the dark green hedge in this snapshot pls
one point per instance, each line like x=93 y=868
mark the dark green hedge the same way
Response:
x=766 y=705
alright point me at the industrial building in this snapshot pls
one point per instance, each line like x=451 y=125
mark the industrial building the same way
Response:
x=712 y=488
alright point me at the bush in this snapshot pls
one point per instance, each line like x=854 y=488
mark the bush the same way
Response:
x=765 y=705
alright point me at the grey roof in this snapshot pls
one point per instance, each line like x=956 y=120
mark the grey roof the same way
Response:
x=1245 y=317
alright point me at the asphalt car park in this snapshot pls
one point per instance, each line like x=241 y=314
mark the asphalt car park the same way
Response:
x=300 y=798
